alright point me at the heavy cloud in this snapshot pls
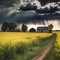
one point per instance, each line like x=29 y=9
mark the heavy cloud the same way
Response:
x=8 y=3
x=43 y=2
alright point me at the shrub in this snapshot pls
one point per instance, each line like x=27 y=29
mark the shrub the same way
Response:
x=9 y=52
x=1 y=52
x=21 y=48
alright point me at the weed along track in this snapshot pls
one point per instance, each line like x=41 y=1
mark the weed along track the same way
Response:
x=43 y=53
x=45 y=50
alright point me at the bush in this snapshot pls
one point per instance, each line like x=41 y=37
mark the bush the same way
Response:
x=21 y=48
x=9 y=52
x=1 y=52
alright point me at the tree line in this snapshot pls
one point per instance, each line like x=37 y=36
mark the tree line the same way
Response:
x=12 y=27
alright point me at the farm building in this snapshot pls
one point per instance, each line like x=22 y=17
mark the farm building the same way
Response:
x=42 y=29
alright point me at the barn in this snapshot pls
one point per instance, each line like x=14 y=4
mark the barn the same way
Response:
x=42 y=29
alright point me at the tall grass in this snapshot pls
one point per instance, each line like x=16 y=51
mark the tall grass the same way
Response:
x=1 y=52
x=7 y=52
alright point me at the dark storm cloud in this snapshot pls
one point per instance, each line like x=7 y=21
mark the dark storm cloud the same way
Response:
x=28 y=7
x=47 y=10
x=51 y=9
x=26 y=17
x=43 y=2
x=8 y=2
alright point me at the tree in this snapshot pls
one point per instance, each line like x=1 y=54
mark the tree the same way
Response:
x=8 y=26
x=32 y=30
x=4 y=26
x=50 y=27
x=24 y=28
x=12 y=26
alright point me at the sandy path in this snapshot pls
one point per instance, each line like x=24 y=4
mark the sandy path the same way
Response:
x=44 y=52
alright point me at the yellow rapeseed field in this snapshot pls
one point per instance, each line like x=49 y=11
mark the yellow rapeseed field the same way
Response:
x=57 y=44
x=58 y=38
x=17 y=37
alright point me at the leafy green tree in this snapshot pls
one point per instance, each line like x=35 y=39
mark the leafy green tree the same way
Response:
x=8 y=26
x=12 y=26
x=24 y=28
x=50 y=27
x=4 y=26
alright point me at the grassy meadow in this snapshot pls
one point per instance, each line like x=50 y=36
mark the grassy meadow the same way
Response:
x=22 y=46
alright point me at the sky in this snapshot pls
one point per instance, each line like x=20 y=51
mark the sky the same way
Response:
x=9 y=12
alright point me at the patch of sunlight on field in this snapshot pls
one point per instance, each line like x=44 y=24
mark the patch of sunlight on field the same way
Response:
x=58 y=38
x=16 y=37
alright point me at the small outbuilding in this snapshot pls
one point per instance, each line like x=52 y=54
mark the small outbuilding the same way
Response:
x=32 y=30
x=42 y=29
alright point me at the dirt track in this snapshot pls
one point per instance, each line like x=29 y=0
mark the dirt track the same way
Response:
x=44 y=52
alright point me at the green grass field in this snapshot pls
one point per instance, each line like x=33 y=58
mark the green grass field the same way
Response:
x=22 y=46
